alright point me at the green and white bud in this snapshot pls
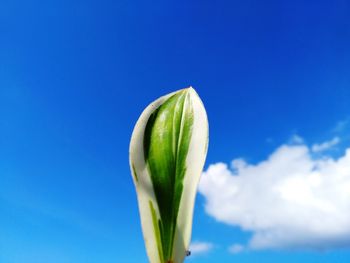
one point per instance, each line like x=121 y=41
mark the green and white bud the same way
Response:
x=167 y=153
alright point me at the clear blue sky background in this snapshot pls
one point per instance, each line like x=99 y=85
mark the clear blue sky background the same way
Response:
x=75 y=75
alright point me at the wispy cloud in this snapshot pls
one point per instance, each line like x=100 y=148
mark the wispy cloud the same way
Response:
x=198 y=248
x=325 y=145
x=291 y=200
x=341 y=125
x=236 y=248
x=296 y=139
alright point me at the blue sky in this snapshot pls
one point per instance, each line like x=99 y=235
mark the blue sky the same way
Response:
x=75 y=75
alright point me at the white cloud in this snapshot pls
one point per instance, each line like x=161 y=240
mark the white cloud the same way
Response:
x=296 y=139
x=235 y=248
x=325 y=145
x=288 y=201
x=198 y=248
x=341 y=125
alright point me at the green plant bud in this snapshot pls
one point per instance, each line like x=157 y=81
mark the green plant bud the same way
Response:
x=167 y=153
